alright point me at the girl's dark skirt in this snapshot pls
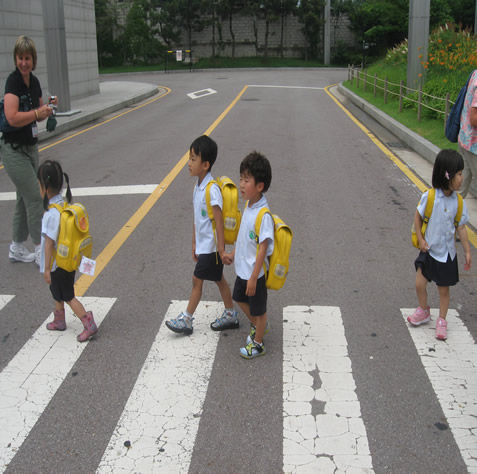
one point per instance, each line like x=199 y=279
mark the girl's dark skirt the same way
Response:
x=62 y=285
x=443 y=274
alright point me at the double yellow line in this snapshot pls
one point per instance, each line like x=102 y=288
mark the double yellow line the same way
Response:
x=402 y=166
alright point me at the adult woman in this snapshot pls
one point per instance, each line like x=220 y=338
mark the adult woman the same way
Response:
x=23 y=106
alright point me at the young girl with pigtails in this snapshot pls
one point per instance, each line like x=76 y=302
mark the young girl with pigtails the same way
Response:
x=50 y=176
x=437 y=260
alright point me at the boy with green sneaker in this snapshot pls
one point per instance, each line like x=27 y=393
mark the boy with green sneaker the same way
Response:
x=207 y=252
x=250 y=291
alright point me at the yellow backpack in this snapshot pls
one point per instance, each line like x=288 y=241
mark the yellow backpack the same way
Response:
x=230 y=211
x=277 y=271
x=431 y=196
x=74 y=239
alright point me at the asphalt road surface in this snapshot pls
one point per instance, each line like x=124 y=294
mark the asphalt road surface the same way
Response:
x=345 y=385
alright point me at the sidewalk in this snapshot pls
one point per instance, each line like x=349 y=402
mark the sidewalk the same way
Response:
x=422 y=154
x=112 y=97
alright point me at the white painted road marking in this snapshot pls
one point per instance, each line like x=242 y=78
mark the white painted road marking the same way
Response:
x=30 y=380
x=201 y=93
x=161 y=417
x=4 y=299
x=322 y=426
x=452 y=369
x=286 y=87
x=97 y=191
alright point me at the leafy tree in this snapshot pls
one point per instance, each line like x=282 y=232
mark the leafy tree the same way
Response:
x=169 y=22
x=287 y=8
x=142 y=45
x=310 y=15
x=463 y=12
x=382 y=22
x=107 y=29
x=227 y=10
x=189 y=11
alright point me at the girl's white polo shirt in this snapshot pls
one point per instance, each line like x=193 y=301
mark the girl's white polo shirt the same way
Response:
x=50 y=227
x=204 y=233
x=440 y=230
x=246 y=246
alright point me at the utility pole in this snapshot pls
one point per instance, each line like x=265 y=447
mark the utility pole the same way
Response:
x=327 y=32
x=418 y=41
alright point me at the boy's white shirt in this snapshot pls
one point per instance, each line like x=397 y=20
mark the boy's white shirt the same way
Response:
x=50 y=227
x=246 y=245
x=204 y=234
x=440 y=229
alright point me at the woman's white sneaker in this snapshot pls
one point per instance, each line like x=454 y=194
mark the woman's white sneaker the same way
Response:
x=19 y=253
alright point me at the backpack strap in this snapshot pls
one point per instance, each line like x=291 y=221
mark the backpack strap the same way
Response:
x=431 y=196
x=258 y=224
x=210 y=213
x=58 y=207
x=460 y=210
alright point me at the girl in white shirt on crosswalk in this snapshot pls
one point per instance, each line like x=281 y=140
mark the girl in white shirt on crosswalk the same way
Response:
x=437 y=260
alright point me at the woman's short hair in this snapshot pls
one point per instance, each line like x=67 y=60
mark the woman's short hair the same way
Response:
x=24 y=45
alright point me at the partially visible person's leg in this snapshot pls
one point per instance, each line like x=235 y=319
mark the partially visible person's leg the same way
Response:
x=469 y=171
x=21 y=167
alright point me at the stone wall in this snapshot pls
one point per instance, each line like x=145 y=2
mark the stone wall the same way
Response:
x=247 y=45
x=26 y=18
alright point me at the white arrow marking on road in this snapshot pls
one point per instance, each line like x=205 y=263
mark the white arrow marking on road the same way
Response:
x=452 y=370
x=162 y=415
x=4 y=299
x=30 y=380
x=202 y=93
x=322 y=426
x=97 y=191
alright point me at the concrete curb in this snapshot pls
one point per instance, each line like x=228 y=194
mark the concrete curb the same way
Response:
x=420 y=145
x=66 y=124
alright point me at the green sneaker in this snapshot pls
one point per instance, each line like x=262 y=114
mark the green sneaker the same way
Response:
x=253 y=331
x=252 y=350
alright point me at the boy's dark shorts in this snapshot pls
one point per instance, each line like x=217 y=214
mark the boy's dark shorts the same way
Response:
x=209 y=267
x=62 y=285
x=257 y=302
x=443 y=274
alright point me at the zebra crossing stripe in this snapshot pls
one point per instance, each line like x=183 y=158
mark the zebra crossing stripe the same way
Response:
x=158 y=427
x=322 y=426
x=451 y=366
x=4 y=299
x=33 y=376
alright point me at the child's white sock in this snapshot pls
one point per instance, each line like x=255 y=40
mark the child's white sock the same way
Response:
x=187 y=314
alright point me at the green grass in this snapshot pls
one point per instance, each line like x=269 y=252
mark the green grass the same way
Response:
x=430 y=129
x=209 y=63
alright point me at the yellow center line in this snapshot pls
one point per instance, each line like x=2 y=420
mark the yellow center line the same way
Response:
x=397 y=161
x=69 y=137
x=85 y=281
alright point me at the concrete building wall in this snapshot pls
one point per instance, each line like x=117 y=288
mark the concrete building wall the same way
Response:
x=25 y=17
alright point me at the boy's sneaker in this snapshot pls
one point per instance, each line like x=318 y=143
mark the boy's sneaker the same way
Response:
x=181 y=325
x=252 y=350
x=253 y=331
x=228 y=320
x=420 y=316
x=441 y=329
x=19 y=253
